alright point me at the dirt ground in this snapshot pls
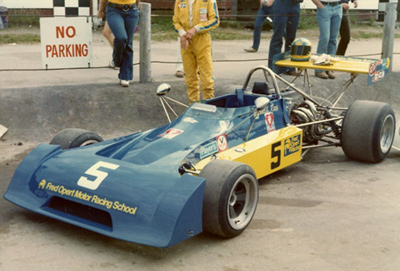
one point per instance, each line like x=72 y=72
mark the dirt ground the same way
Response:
x=324 y=213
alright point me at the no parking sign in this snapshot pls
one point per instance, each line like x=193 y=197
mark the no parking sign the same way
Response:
x=66 y=42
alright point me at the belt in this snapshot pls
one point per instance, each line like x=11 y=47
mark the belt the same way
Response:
x=125 y=7
x=330 y=3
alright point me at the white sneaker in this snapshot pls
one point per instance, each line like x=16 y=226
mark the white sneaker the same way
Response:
x=124 y=83
x=179 y=74
x=250 y=50
x=112 y=65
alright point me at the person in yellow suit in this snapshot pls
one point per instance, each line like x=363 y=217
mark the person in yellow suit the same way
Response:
x=192 y=20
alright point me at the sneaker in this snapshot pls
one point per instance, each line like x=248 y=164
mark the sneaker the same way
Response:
x=179 y=74
x=331 y=74
x=322 y=75
x=292 y=73
x=112 y=65
x=250 y=50
x=124 y=83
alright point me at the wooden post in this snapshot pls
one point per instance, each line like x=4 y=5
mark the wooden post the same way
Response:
x=145 y=43
x=388 y=32
x=234 y=9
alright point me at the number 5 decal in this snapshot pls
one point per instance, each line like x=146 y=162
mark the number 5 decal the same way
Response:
x=276 y=153
x=94 y=171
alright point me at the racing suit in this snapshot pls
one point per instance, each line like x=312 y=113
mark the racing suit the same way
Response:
x=203 y=16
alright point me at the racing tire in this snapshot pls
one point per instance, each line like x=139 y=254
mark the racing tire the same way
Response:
x=74 y=138
x=368 y=131
x=230 y=197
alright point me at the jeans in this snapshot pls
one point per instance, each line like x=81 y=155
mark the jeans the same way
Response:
x=123 y=24
x=329 y=19
x=344 y=33
x=286 y=20
x=262 y=14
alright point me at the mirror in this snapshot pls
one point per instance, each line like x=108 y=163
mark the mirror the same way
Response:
x=261 y=103
x=163 y=89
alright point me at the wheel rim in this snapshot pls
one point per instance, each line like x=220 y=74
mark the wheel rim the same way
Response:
x=88 y=142
x=387 y=134
x=242 y=202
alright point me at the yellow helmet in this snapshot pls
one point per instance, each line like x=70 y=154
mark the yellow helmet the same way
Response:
x=300 y=50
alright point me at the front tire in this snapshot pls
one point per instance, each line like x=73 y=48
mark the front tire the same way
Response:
x=230 y=197
x=368 y=131
x=74 y=138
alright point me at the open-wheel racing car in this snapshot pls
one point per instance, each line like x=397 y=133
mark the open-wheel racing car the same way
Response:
x=200 y=171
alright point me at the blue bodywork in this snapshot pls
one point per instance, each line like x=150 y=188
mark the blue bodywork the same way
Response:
x=143 y=197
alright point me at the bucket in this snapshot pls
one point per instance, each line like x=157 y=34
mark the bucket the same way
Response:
x=3 y=17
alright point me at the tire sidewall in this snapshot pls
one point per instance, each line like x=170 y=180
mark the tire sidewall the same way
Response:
x=377 y=133
x=74 y=137
x=221 y=176
x=362 y=128
x=225 y=197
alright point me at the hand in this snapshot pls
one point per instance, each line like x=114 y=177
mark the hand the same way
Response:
x=191 y=33
x=318 y=4
x=355 y=3
x=345 y=6
x=100 y=14
x=184 y=42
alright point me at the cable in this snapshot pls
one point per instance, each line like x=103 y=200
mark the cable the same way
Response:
x=162 y=62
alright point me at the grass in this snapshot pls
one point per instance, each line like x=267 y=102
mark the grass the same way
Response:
x=24 y=28
x=19 y=38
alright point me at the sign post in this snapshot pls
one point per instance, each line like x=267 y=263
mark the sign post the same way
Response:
x=66 y=42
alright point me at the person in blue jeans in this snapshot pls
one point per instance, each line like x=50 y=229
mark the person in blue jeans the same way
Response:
x=329 y=17
x=286 y=22
x=122 y=17
x=266 y=8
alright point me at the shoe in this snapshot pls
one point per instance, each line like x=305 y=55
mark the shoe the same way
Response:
x=250 y=50
x=331 y=74
x=112 y=65
x=124 y=83
x=322 y=75
x=292 y=73
x=179 y=74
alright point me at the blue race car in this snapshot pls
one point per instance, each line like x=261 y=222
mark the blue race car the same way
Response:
x=197 y=173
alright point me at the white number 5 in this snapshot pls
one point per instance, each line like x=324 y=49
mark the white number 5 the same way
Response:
x=94 y=171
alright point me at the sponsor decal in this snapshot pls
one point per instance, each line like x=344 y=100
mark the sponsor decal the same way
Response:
x=203 y=15
x=190 y=120
x=377 y=70
x=94 y=199
x=273 y=108
x=222 y=143
x=208 y=149
x=292 y=145
x=171 y=133
x=182 y=5
x=372 y=69
x=219 y=145
x=269 y=120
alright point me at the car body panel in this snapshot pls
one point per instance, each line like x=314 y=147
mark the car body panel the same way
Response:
x=129 y=204
x=133 y=187
x=266 y=154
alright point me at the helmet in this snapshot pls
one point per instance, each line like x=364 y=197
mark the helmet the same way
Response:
x=300 y=49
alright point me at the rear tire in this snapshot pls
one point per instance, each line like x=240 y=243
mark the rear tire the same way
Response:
x=230 y=197
x=74 y=138
x=368 y=131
